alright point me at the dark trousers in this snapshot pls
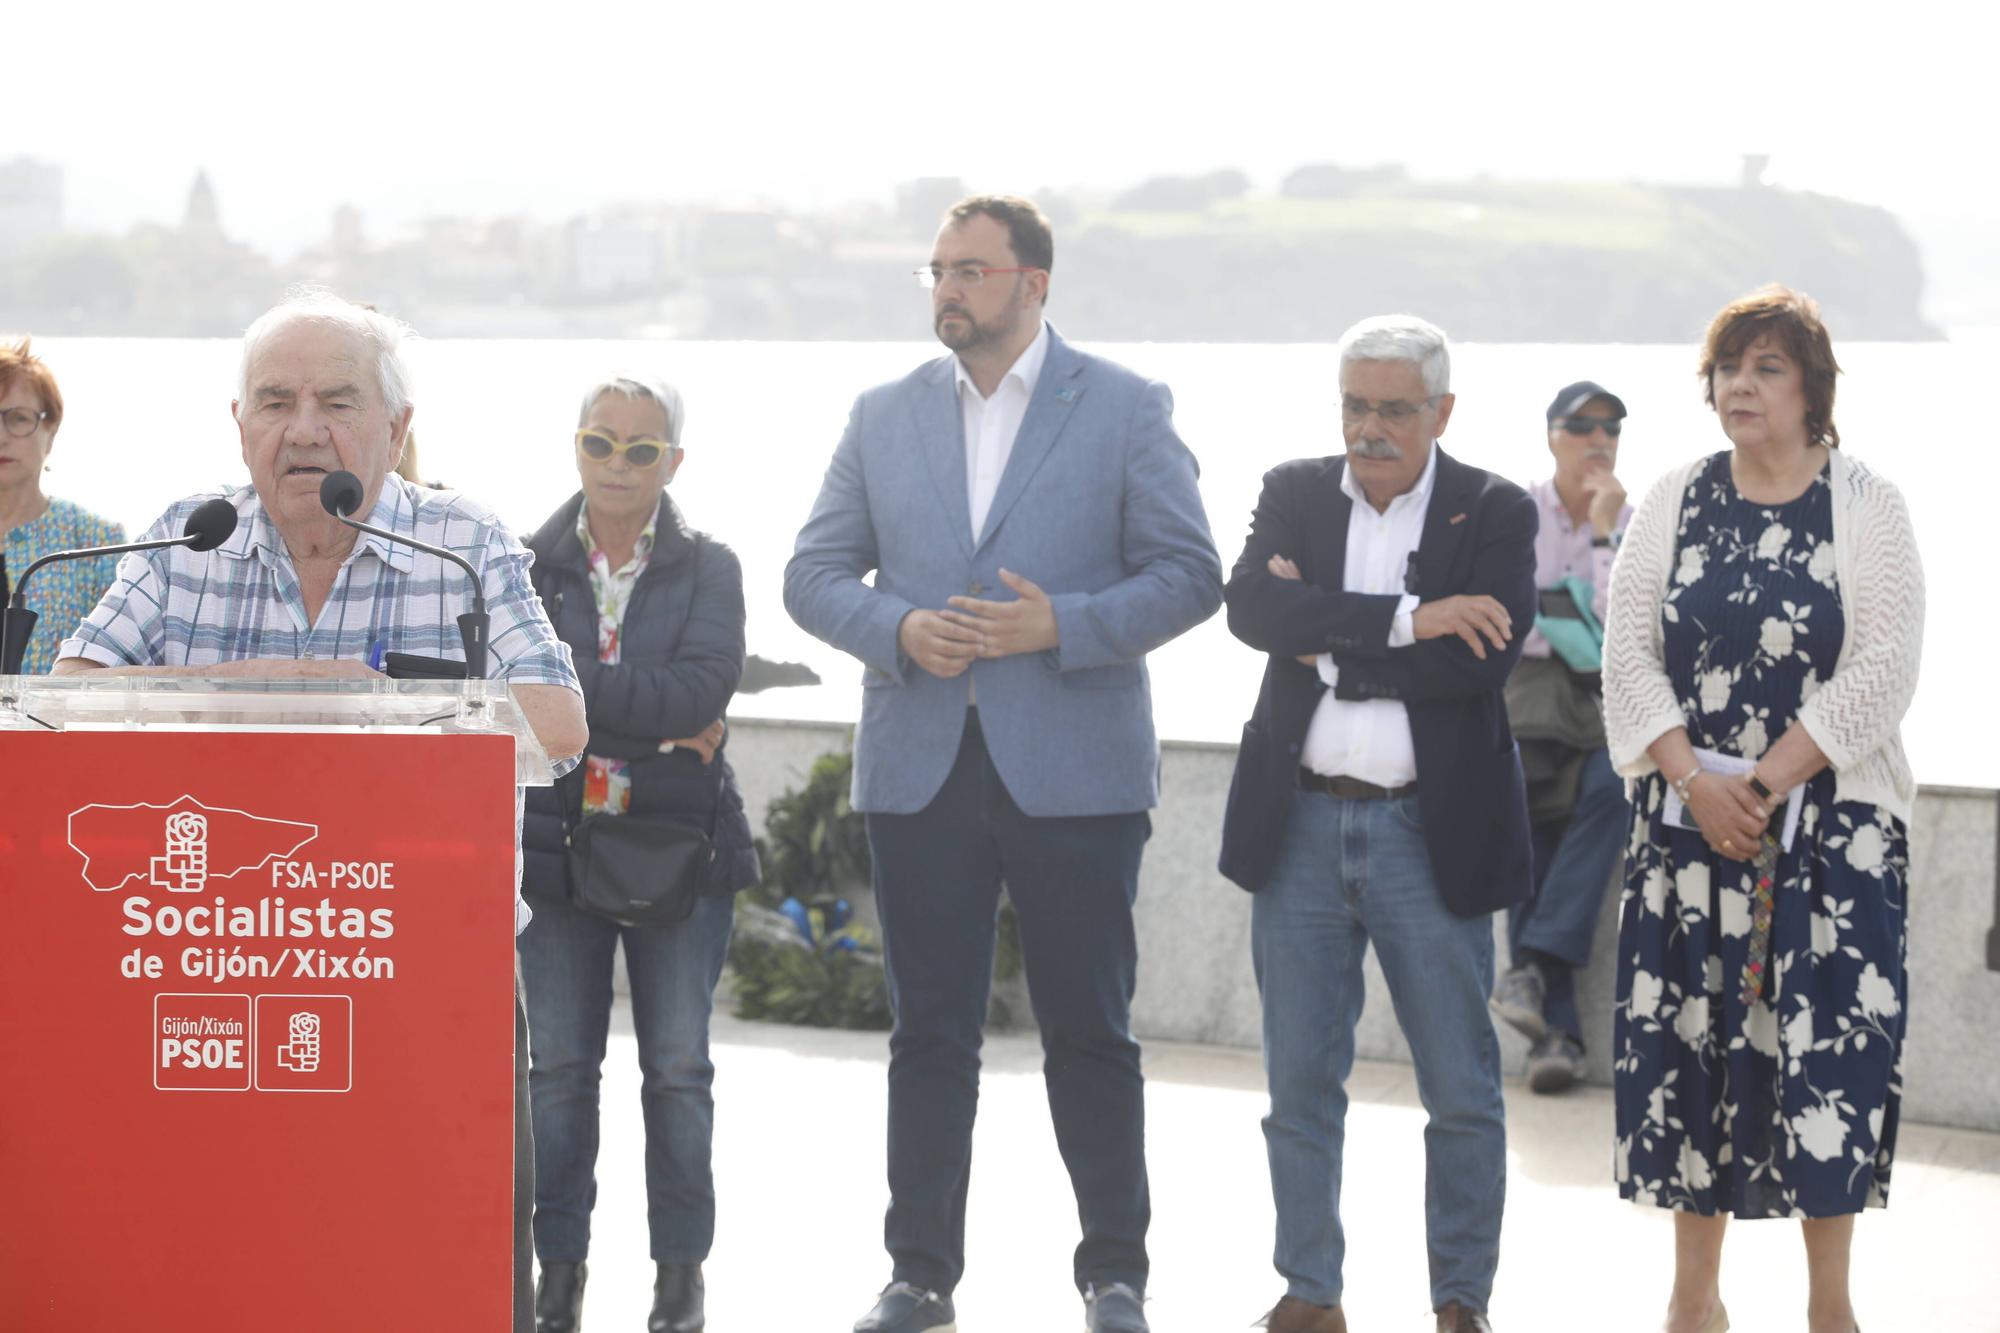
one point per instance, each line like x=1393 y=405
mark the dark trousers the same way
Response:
x=1072 y=881
x=524 y=1172
x=1574 y=862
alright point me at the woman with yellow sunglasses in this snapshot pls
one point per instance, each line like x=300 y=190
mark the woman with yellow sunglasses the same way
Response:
x=653 y=614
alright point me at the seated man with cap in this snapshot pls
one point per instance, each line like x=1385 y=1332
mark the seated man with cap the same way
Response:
x=1575 y=802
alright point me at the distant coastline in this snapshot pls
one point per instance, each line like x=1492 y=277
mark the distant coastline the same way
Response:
x=1172 y=259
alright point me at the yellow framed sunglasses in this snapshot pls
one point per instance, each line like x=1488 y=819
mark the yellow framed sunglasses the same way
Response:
x=642 y=453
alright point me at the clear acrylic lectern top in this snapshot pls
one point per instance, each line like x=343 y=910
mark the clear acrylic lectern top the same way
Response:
x=95 y=702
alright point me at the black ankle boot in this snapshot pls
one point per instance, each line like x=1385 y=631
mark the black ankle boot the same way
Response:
x=559 y=1298
x=677 y=1297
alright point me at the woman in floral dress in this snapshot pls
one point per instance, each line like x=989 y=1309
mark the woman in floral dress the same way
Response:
x=1766 y=606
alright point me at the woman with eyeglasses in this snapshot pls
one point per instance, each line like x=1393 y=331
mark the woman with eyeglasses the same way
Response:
x=32 y=524
x=1761 y=647
x=653 y=613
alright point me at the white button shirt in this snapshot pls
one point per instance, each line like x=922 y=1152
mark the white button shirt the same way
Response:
x=992 y=423
x=1369 y=739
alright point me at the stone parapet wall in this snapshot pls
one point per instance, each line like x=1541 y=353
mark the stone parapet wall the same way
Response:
x=1195 y=981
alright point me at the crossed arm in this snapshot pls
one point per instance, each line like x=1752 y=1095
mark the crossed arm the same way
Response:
x=1465 y=643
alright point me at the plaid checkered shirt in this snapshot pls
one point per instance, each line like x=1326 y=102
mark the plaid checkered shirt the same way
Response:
x=177 y=607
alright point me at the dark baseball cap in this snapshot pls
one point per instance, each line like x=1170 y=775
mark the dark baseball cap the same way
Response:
x=1573 y=397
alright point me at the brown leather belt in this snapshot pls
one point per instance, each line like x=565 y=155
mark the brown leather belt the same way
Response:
x=1353 y=789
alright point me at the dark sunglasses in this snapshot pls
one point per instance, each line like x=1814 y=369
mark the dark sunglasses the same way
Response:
x=1584 y=425
x=595 y=444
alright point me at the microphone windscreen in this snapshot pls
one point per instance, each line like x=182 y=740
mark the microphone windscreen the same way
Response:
x=210 y=524
x=340 y=493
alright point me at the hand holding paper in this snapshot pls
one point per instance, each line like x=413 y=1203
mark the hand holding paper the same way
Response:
x=1730 y=766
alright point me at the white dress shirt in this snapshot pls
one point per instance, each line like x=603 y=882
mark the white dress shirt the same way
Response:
x=992 y=423
x=1369 y=739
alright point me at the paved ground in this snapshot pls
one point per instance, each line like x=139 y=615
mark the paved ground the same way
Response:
x=799 y=1150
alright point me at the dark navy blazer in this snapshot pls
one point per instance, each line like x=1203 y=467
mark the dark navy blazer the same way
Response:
x=1478 y=537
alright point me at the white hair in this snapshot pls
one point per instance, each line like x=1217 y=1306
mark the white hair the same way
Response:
x=650 y=387
x=1402 y=338
x=384 y=334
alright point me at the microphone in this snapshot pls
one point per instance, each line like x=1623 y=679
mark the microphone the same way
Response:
x=208 y=527
x=340 y=495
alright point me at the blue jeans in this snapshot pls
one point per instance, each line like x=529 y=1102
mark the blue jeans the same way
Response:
x=1574 y=859
x=566 y=962
x=1349 y=872
x=1072 y=881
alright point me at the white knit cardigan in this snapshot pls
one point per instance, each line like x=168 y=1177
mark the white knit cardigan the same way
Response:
x=1852 y=717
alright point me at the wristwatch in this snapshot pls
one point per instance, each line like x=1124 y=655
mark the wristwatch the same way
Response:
x=1605 y=543
x=1757 y=786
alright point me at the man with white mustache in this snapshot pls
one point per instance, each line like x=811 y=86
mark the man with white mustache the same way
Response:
x=1378 y=797
x=1577 y=838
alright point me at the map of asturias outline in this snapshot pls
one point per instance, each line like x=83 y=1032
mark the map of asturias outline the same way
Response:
x=120 y=843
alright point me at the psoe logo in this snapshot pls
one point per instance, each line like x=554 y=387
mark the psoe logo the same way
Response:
x=179 y=846
x=301 y=1051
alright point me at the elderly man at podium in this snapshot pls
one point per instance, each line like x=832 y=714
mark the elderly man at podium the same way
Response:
x=295 y=594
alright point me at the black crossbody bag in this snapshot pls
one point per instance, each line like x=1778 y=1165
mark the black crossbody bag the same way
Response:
x=641 y=871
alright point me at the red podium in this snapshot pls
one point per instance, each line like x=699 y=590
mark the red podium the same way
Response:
x=256 y=1004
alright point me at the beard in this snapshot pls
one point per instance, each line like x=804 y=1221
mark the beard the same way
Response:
x=1382 y=451
x=969 y=333
x=964 y=335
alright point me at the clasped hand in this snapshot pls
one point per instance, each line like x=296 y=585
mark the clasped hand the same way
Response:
x=946 y=642
x=1731 y=817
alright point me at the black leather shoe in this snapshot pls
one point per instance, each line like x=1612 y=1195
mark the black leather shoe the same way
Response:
x=677 y=1297
x=559 y=1298
x=904 y=1308
x=1114 y=1308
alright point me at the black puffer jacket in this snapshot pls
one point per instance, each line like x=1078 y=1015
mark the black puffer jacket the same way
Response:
x=680 y=656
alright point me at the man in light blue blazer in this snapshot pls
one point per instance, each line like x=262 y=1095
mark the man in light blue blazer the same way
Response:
x=1034 y=529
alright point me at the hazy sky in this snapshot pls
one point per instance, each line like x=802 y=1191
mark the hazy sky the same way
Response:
x=411 y=109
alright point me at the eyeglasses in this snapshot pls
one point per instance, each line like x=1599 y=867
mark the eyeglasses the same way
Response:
x=21 y=422
x=1585 y=425
x=965 y=275
x=1394 y=412
x=595 y=444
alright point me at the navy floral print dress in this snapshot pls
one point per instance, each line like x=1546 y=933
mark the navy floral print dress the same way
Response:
x=1787 y=1108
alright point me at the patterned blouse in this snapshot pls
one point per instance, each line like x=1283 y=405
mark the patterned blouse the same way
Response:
x=62 y=594
x=607 y=787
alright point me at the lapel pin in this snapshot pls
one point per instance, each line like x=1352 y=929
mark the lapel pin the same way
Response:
x=1065 y=395
x=1458 y=518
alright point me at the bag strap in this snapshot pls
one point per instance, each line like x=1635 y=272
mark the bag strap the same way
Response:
x=715 y=786
x=715 y=762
